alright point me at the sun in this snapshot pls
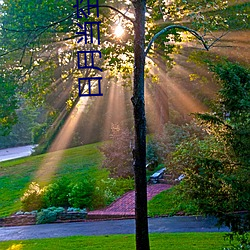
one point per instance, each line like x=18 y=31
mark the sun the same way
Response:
x=119 y=31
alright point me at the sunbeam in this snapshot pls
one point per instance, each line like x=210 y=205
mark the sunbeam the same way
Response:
x=51 y=162
x=172 y=92
x=115 y=109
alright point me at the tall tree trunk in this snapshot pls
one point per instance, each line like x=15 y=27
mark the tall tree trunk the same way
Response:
x=139 y=152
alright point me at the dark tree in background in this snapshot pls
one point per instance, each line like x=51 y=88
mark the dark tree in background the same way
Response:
x=8 y=105
x=118 y=155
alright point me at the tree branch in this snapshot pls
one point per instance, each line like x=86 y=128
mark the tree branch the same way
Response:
x=46 y=27
x=166 y=29
x=218 y=38
x=118 y=11
x=25 y=44
x=39 y=27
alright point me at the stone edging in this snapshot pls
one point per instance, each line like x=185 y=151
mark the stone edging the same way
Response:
x=30 y=219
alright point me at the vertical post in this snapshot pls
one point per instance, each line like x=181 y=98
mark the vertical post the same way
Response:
x=139 y=151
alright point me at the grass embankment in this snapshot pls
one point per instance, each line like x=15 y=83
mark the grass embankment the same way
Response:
x=169 y=202
x=16 y=175
x=75 y=163
x=173 y=241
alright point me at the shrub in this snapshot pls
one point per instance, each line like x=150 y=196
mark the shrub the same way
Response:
x=38 y=131
x=243 y=242
x=123 y=185
x=57 y=193
x=73 y=209
x=152 y=156
x=208 y=181
x=81 y=194
x=103 y=194
x=33 y=197
x=109 y=189
x=48 y=215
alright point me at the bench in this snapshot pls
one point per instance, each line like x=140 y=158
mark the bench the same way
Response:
x=182 y=176
x=155 y=177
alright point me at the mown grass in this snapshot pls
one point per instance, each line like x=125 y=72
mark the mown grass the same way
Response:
x=169 y=202
x=170 y=241
x=16 y=175
x=76 y=163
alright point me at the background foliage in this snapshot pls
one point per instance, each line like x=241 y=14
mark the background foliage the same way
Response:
x=217 y=168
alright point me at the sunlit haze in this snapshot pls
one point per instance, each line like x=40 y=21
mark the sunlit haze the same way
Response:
x=51 y=161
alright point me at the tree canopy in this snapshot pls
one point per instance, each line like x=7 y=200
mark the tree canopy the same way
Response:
x=8 y=106
x=39 y=40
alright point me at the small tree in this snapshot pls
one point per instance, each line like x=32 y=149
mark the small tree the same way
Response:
x=118 y=156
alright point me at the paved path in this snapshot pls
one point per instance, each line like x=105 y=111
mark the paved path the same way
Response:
x=125 y=206
x=14 y=153
x=156 y=225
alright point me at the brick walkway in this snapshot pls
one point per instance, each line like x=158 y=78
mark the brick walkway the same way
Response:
x=124 y=207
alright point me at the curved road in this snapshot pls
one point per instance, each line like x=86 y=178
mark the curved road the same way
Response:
x=156 y=225
x=17 y=152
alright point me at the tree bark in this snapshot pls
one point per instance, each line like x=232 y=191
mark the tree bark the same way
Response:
x=139 y=151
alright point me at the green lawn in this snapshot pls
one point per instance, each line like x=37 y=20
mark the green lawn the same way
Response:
x=169 y=202
x=16 y=175
x=171 y=241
